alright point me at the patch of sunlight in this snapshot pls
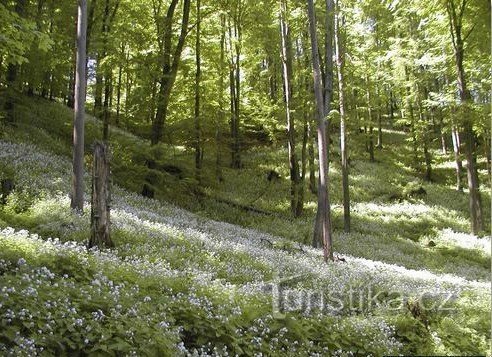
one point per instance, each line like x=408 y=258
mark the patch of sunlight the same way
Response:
x=465 y=240
x=393 y=131
x=445 y=165
x=392 y=209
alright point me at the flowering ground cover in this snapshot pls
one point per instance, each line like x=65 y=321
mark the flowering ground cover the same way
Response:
x=189 y=283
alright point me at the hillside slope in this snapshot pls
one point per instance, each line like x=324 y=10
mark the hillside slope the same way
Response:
x=181 y=283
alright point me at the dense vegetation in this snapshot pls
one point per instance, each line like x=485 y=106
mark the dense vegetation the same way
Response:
x=210 y=111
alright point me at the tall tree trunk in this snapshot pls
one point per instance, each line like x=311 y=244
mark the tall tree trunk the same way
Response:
x=455 y=23
x=237 y=164
x=71 y=88
x=106 y=106
x=286 y=57
x=312 y=166
x=343 y=145
x=327 y=82
x=198 y=129
x=409 y=114
x=324 y=233
x=77 y=201
x=455 y=136
x=370 y=146
x=379 y=144
x=118 y=95
x=221 y=114
x=168 y=77
x=12 y=69
x=169 y=68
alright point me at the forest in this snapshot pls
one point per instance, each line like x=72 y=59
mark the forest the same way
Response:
x=245 y=177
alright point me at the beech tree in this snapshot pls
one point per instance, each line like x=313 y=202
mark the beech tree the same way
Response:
x=323 y=214
x=456 y=11
x=77 y=201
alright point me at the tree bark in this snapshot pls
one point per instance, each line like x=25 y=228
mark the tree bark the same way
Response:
x=198 y=129
x=369 y=122
x=455 y=15
x=169 y=67
x=343 y=145
x=324 y=233
x=100 y=199
x=77 y=199
x=286 y=57
x=11 y=76
x=221 y=114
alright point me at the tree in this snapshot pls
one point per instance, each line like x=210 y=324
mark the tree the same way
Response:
x=456 y=11
x=13 y=65
x=286 y=57
x=343 y=136
x=198 y=130
x=77 y=201
x=169 y=62
x=323 y=215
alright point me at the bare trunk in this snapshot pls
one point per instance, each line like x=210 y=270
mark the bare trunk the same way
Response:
x=106 y=106
x=101 y=199
x=221 y=114
x=323 y=197
x=198 y=74
x=169 y=68
x=343 y=145
x=118 y=96
x=370 y=143
x=455 y=22
x=457 y=157
x=286 y=57
x=77 y=199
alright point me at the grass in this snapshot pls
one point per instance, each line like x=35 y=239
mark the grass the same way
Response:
x=180 y=283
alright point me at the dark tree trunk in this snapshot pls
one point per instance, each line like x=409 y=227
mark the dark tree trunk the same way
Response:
x=101 y=199
x=118 y=96
x=12 y=69
x=106 y=106
x=169 y=67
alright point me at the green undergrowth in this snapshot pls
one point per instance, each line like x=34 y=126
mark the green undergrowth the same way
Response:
x=178 y=286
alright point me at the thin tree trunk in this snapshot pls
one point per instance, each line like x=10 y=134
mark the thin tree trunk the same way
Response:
x=106 y=106
x=12 y=70
x=286 y=56
x=77 y=201
x=379 y=144
x=237 y=75
x=370 y=146
x=323 y=197
x=118 y=95
x=455 y=23
x=312 y=168
x=343 y=145
x=198 y=129
x=221 y=114
x=455 y=136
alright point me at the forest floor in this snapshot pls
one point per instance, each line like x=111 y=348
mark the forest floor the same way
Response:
x=216 y=279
